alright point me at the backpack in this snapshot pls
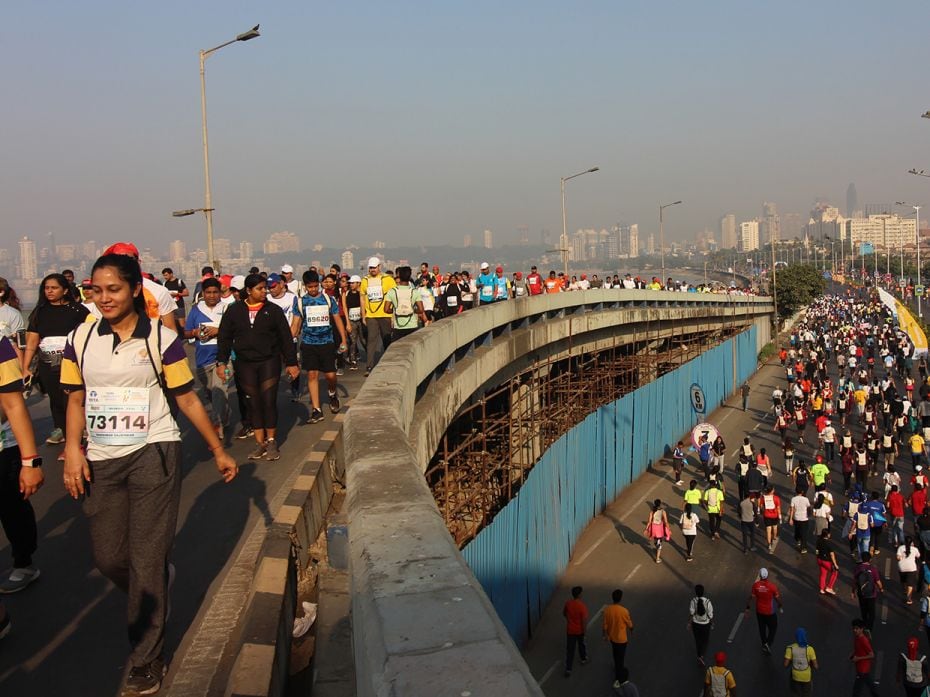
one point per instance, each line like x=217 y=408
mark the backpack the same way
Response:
x=404 y=306
x=718 y=682
x=914 y=670
x=865 y=582
x=712 y=499
x=799 y=659
x=862 y=521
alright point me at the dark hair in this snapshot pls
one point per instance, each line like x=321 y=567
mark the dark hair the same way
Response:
x=253 y=270
x=252 y=280
x=699 y=590
x=404 y=274
x=908 y=541
x=167 y=269
x=825 y=533
x=209 y=283
x=64 y=271
x=336 y=266
x=576 y=591
x=128 y=269
x=617 y=595
x=8 y=295
x=205 y=270
x=311 y=276
x=43 y=301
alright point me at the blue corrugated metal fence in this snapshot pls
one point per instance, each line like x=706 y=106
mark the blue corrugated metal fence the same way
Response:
x=520 y=556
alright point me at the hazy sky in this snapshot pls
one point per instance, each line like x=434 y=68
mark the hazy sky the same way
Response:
x=416 y=122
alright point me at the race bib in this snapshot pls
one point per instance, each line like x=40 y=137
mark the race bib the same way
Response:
x=318 y=315
x=117 y=415
x=375 y=294
x=452 y=301
x=355 y=313
x=53 y=344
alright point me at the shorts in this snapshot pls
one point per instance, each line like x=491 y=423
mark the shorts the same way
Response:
x=908 y=578
x=321 y=357
x=771 y=522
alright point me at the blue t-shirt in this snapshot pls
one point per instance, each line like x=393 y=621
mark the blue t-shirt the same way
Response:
x=204 y=351
x=487 y=282
x=317 y=326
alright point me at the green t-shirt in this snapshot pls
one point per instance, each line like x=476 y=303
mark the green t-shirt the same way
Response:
x=397 y=296
x=819 y=472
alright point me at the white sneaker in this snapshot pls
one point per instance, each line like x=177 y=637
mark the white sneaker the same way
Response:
x=19 y=579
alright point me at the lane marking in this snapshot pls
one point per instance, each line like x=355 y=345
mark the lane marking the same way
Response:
x=884 y=612
x=588 y=552
x=548 y=673
x=887 y=568
x=630 y=575
x=594 y=619
x=739 y=621
x=879 y=659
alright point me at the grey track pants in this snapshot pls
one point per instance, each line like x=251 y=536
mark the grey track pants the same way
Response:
x=132 y=508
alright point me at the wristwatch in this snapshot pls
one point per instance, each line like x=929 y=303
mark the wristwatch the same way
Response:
x=32 y=461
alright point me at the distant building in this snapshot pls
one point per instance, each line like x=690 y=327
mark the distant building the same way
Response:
x=770 y=223
x=728 y=231
x=379 y=244
x=177 y=251
x=66 y=252
x=281 y=242
x=246 y=250
x=348 y=260
x=28 y=262
x=651 y=244
x=633 y=248
x=749 y=236
x=791 y=226
x=577 y=247
x=488 y=239
x=852 y=201
x=89 y=250
x=466 y=240
x=222 y=247
x=524 y=234
x=886 y=232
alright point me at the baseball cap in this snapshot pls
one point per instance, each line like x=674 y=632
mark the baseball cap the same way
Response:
x=919 y=468
x=275 y=278
x=286 y=268
x=720 y=658
x=374 y=262
x=485 y=265
x=237 y=282
x=125 y=248
x=355 y=278
x=499 y=269
x=226 y=280
x=763 y=573
x=86 y=283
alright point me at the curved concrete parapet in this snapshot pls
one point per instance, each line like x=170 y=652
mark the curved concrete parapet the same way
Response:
x=422 y=624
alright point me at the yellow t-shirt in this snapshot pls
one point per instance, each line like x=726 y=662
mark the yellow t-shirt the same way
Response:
x=792 y=652
x=372 y=290
x=917 y=444
x=693 y=496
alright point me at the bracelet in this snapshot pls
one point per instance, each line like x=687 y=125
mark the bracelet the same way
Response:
x=219 y=446
x=28 y=457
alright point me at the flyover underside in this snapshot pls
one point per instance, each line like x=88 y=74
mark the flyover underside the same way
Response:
x=499 y=435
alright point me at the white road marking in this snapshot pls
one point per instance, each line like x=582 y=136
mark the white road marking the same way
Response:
x=739 y=621
x=549 y=673
x=596 y=615
x=588 y=552
x=630 y=575
x=887 y=568
x=879 y=659
x=884 y=612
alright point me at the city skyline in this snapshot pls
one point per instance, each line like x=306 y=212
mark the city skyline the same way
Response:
x=334 y=129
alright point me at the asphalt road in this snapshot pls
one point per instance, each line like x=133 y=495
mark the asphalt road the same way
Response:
x=613 y=553
x=69 y=627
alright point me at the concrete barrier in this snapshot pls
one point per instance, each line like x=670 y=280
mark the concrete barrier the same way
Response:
x=422 y=624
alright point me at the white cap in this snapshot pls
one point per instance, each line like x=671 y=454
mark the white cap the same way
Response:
x=237 y=282
x=355 y=278
x=287 y=268
x=485 y=265
x=374 y=262
x=919 y=468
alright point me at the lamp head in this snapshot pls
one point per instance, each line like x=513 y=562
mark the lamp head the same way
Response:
x=925 y=115
x=594 y=169
x=183 y=213
x=249 y=35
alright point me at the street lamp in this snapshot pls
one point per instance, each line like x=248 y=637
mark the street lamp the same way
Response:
x=564 y=246
x=662 y=235
x=917 y=241
x=207 y=209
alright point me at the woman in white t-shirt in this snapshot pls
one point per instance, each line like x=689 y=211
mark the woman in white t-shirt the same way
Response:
x=689 y=527
x=908 y=562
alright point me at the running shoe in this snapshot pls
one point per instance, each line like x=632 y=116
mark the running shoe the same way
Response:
x=145 y=680
x=333 y=402
x=315 y=417
x=271 y=450
x=19 y=579
x=245 y=432
x=57 y=436
x=258 y=453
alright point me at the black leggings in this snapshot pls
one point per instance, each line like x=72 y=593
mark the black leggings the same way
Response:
x=50 y=376
x=259 y=380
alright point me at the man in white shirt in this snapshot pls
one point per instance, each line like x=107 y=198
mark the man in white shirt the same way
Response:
x=799 y=515
x=293 y=285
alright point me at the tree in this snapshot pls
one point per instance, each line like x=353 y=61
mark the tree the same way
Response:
x=797 y=286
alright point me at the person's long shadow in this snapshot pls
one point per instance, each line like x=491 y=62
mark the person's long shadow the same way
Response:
x=206 y=541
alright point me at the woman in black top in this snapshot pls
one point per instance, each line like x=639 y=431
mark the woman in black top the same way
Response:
x=55 y=316
x=260 y=335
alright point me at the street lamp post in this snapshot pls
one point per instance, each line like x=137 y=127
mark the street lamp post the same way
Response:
x=207 y=209
x=662 y=235
x=564 y=245
x=917 y=243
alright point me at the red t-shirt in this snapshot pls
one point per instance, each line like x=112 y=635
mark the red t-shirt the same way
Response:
x=534 y=283
x=896 y=504
x=918 y=500
x=765 y=594
x=862 y=647
x=576 y=616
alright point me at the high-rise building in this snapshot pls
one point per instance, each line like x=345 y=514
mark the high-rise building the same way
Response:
x=524 y=234
x=281 y=242
x=852 y=201
x=379 y=244
x=466 y=240
x=488 y=239
x=728 y=238
x=222 y=248
x=651 y=244
x=633 y=249
x=770 y=223
x=28 y=262
x=749 y=235
x=886 y=232
x=177 y=251
x=66 y=252
x=89 y=250
x=246 y=251
x=578 y=246
x=348 y=260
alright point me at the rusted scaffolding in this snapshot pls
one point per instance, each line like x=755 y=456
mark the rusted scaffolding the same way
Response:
x=494 y=441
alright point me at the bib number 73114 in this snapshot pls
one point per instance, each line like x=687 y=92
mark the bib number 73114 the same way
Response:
x=117 y=415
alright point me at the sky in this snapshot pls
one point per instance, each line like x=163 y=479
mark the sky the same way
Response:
x=418 y=123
